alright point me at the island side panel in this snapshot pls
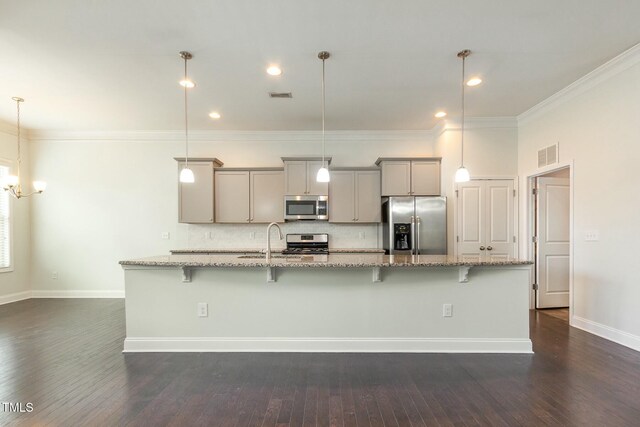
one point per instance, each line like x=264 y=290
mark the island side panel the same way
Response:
x=328 y=309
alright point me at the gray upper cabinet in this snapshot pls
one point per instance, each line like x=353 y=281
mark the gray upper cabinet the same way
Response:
x=249 y=196
x=354 y=196
x=232 y=196
x=300 y=176
x=196 y=200
x=410 y=176
x=267 y=196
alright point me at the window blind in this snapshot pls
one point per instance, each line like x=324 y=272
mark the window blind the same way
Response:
x=5 y=222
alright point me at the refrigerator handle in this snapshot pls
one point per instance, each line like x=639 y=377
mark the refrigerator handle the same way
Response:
x=417 y=235
x=413 y=235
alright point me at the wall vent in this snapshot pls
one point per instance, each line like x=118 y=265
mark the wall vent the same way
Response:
x=548 y=155
x=280 y=95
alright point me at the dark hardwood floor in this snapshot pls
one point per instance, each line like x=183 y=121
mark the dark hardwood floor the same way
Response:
x=64 y=356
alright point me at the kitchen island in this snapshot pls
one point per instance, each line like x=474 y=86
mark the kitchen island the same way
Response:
x=342 y=302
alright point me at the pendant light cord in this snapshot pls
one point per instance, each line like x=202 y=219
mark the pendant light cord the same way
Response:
x=186 y=118
x=323 y=90
x=18 y=130
x=462 y=121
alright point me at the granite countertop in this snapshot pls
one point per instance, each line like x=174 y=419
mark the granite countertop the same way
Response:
x=278 y=250
x=297 y=261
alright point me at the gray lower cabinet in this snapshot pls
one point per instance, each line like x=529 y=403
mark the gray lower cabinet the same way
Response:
x=195 y=200
x=354 y=196
x=245 y=196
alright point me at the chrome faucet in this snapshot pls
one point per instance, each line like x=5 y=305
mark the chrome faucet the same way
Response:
x=269 y=238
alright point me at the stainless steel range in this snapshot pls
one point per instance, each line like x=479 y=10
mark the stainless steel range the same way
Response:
x=307 y=244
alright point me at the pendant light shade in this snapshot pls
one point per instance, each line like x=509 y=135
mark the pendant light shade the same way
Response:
x=186 y=174
x=323 y=172
x=12 y=183
x=462 y=174
x=323 y=175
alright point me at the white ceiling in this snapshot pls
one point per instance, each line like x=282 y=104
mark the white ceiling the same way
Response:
x=114 y=65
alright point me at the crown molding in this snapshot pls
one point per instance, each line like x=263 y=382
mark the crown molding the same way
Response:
x=475 y=123
x=228 y=136
x=620 y=63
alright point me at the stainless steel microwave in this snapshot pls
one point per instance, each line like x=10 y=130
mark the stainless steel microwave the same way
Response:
x=306 y=208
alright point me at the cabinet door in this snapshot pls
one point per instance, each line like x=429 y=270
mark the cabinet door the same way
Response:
x=368 y=207
x=342 y=197
x=425 y=178
x=471 y=221
x=314 y=187
x=396 y=178
x=295 y=175
x=267 y=196
x=195 y=200
x=232 y=196
x=499 y=217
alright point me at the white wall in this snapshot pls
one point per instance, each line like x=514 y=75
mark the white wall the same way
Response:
x=596 y=122
x=490 y=150
x=110 y=199
x=14 y=285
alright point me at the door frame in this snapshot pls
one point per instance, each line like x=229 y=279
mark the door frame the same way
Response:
x=516 y=210
x=530 y=228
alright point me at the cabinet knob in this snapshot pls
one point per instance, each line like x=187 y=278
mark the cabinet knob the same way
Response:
x=482 y=248
x=489 y=248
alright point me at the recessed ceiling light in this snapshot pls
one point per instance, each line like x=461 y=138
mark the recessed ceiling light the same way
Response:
x=187 y=83
x=274 y=70
x=440 y=114
x=214 y=115
x=474 y=81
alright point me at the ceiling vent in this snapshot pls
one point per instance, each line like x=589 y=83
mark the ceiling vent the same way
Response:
x=280 y=95
x=548 y=155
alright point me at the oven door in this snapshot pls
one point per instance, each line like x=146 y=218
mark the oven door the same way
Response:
x=305 y=208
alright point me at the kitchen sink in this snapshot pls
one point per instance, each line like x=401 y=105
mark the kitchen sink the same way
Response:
x=292 y=257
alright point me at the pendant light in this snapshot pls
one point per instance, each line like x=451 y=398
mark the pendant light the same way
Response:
x=12 y=182
x=323 y=172
x=186 y=174
x=462 y=174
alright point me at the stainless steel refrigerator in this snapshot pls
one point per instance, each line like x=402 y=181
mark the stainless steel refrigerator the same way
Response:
x=414 y=225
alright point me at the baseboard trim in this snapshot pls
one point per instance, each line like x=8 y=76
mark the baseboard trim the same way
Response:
x=15 y=297
x=623 y=338
x=327 y=345
x=77 y=294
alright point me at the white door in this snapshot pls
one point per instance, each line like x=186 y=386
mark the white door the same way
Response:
x=471 y=224
x=552 y=230
x=486 y=220
x=500 y=227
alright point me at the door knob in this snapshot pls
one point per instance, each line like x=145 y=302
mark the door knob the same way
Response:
x=482 y=248
x=489 y=248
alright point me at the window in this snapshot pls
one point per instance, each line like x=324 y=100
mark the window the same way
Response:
x=5 y=222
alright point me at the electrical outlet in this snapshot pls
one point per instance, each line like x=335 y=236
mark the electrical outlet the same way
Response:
x=203 y=309
x=591 y=236
x=447 y=310
x=207 y=235
x=54 y=275
x=252 y=235
x=361 y=235
x=165 y=235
